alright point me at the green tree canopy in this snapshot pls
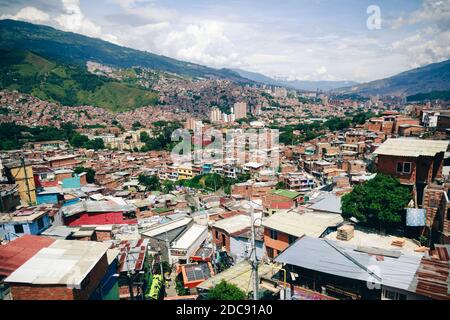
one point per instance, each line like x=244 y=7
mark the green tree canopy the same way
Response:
x=90 y=173
x=96 y=144
x=144 y=136
x=150 y=182
x=377 y=203
x=226 y=291
x=136 y=125
x=78 y=140
x=280 y=185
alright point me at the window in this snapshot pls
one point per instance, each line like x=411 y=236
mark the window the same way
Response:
x=18 y=228
x=273 y=234
x=270 y=252
x=404 y=167
x=292 y=239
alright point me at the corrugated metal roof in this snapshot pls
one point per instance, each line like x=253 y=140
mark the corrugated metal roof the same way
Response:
x=334 y=258
x=132 y=254
x=310 y=224
x=406 y=147
x=190 y=236
x=18 y=251
x=240 y=275
x=328 y=202
x=166 y=227
x=233 y=224
x=96 y=206
x=64 y=262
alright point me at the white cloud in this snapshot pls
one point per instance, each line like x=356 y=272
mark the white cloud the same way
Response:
x=321 y=70
x=272 y=46
x=432 y=11
x=74 y=20
x=205 y=42
x=431 y=39
x=422 y=49
x=71 y=19
x=29 y=14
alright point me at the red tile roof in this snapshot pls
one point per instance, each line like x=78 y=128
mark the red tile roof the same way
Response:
x=432 y=277
x=18 y=251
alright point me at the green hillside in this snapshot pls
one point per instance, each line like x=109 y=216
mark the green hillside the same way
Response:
x=430 y=78
x=67 y=84
x=434 y=95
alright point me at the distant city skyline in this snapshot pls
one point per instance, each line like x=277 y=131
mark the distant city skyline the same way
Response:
x=295 y=39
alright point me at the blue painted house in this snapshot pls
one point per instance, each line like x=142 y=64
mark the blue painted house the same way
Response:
x=49 y=195
x=108 y=289
x=71 y=183
x=32 y=220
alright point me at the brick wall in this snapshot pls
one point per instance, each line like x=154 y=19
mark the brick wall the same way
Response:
x=27 y=292
x=278 y=245
x=432 y=199
x=277 y=202
x=218 y=240
x=60 y=292
x=388 y=165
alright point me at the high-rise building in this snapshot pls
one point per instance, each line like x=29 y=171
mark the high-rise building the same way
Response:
x=240 y=110
x=280 y=92
x=224 y=117
x=216 y=115
x=190 y=124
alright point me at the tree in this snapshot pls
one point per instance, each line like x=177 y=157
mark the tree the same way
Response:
x=377 y=203
x=136 y=125
x=150 y=182
x=226 y=291
x=360 y=118
x=335 y=124
x=213 y=181
x=144 y=137
x=90 y=173
x=179 y=287
x=78 y=140
x=96 y=144
x=168 y=186
x=280 y=185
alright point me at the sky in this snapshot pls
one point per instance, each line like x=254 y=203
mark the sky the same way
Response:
x=355 y=40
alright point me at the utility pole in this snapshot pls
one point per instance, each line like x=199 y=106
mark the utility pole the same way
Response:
x=129 y=277
x=253 y=258
x=1 y=202
x=130 y=286
x=22 y=161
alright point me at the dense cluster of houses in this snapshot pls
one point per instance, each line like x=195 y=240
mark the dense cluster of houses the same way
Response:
x=66 y=235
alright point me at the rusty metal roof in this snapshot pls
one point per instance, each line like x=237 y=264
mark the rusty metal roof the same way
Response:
x=432 y=278
x=132 y=254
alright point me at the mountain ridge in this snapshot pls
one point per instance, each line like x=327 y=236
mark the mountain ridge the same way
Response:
x=425 y=79
x=304 y=85
x=52 y=43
